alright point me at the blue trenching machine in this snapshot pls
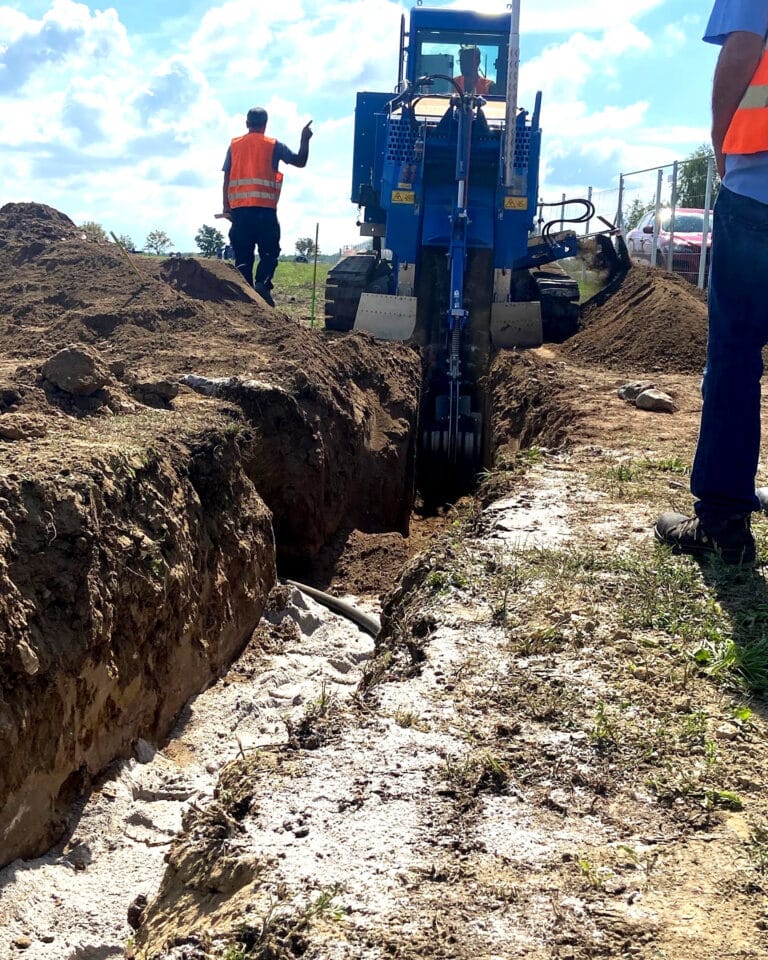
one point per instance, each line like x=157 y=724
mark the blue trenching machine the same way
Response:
x=446 y=177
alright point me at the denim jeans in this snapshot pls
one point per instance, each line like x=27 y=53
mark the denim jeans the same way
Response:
x=723 y=476
x=252 y=227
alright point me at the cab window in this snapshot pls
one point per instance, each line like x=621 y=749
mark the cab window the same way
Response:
x=440 y=51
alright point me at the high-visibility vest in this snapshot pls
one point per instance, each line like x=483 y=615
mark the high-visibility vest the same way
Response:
x=748 y=132
x=482 y=86
x=253 y=181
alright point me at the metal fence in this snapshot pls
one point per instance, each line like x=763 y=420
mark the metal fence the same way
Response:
x=664 y=214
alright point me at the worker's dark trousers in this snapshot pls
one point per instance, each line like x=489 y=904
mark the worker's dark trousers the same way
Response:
x=255 y=227
x=723 y=476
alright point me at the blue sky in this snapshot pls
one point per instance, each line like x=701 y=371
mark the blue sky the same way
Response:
x=122 y=114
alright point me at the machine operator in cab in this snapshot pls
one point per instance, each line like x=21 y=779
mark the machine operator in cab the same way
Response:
x=470 y=80
x=252 y=184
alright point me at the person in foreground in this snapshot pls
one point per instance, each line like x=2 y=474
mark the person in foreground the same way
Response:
x=252 y=185
x=724 y=468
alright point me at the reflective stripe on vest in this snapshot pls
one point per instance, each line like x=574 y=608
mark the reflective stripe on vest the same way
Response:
x=748 y=132
x=253 y=182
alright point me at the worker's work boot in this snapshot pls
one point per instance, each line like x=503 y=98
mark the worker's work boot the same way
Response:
x=264 y=293
x=729 y=539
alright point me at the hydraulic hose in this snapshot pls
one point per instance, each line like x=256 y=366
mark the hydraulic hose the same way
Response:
x=366 y=621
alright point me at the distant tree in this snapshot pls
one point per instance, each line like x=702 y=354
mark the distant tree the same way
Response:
x=94 y=231
x=157 y=242
x=692 y=178
x=306 y=246
x=126 y=241
x=210 y=241
x=636 y=212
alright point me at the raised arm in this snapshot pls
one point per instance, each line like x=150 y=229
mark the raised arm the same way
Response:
x=300 y=159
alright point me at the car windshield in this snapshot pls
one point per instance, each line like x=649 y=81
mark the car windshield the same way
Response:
x=439 y=51
x=685 y=223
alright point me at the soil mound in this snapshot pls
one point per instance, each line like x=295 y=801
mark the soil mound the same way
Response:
x=153 y=319
x=655 y=321
x=214 y=281
x=26 y=229
x=26 y=222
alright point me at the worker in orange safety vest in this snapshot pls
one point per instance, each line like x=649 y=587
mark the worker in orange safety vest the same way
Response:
x=252 y=184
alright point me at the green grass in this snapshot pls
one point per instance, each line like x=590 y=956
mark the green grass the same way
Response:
x=292 y=291
x=643 y=479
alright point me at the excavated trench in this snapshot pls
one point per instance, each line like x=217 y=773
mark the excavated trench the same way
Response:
x=135 y=575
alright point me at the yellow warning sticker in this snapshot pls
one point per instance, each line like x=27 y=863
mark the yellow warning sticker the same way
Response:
x=515 y=203
x=403 y=196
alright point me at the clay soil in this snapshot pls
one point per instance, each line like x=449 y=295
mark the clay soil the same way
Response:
x=557 y=749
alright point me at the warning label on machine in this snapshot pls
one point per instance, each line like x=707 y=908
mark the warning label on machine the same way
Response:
x=403 y=196
x=515 y=203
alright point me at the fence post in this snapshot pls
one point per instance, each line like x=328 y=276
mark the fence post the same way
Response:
x=589 y=198
x=703 y=256
x=314 y=278
x=655 y=239
x=673 y=204
x=562 y=214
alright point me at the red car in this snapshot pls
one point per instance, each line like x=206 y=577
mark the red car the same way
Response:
x=685 y=241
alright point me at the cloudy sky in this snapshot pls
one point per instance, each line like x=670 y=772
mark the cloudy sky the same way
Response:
x=122 y=114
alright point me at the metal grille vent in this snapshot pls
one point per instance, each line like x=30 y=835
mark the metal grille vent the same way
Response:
x=522 y=147
x=400 y=142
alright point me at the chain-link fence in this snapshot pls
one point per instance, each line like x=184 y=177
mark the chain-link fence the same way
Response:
x=664 y=214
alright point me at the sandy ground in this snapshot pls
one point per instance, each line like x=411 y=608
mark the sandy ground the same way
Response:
x=72 y=904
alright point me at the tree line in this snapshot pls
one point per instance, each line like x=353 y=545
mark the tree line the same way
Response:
x=210 y=241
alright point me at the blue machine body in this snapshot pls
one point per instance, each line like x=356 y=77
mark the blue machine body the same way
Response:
x=405 y=156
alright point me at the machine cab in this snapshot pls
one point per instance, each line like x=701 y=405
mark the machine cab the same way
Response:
x=472 y=49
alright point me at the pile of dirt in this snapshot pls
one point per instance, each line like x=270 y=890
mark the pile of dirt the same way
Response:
x=655 y=321
x=333 y=416
x=24 y=224
x=130 y=491
x=530 y=403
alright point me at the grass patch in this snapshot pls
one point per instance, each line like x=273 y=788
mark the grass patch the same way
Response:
x=292 y=290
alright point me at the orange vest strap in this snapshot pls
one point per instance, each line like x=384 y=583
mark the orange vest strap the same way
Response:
x=748 y=130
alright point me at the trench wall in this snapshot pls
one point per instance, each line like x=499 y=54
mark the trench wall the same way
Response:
x=124 y=589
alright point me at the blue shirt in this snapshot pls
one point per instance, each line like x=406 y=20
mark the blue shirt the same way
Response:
x=281 y=152
x=746 y=174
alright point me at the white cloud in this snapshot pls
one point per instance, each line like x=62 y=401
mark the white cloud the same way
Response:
x=673 y=38
x=562 y=70
x=237 y=27
x=559 y=16
x=67 y=36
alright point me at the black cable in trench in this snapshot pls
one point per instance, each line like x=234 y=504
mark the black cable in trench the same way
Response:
x=366 y=621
